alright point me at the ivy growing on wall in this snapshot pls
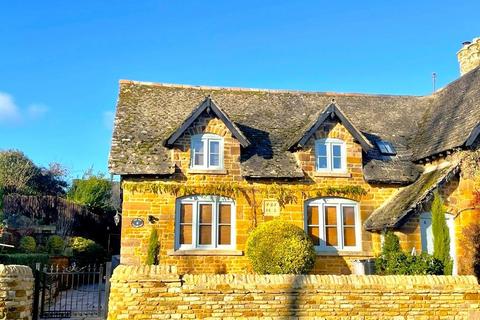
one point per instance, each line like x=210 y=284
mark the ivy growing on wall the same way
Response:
x=284 y=194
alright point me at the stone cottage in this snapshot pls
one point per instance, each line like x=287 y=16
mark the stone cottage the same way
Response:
x=205 y=165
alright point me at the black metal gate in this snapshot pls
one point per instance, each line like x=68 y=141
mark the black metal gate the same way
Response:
x=64 y=293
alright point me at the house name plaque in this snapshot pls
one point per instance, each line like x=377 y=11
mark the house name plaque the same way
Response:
x=271 y=207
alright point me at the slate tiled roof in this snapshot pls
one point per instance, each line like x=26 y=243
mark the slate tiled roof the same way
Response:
x=148 y=113
x=397 y=209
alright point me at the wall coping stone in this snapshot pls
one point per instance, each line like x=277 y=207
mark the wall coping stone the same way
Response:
x=13 y=270
x=125 y=273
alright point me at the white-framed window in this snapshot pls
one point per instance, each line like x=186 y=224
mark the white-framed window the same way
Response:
x=205 y=222
x=206 y=152
x=333 y=224
x=330 y=155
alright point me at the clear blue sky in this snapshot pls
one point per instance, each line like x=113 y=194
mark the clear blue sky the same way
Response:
x=60 y=61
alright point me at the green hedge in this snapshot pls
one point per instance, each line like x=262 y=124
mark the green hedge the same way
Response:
x=24 y=259
x=393 y=261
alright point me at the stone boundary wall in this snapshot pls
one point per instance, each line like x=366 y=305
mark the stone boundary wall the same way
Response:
x=144 y=292
x=16 y=292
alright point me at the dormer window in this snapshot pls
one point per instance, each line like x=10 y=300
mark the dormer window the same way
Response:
x=386 y=147
x=331 y=155
x=207 y=152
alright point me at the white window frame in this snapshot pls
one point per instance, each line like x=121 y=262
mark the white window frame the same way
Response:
x=206 y=139
x=329 y=143
x=196 y=201
x=339 y=203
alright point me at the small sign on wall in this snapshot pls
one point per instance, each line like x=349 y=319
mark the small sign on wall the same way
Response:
x=271 y=207
x=137 y=222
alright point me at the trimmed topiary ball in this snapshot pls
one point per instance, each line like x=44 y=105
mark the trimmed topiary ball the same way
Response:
x=279 y=247
x=28 y=244
x=55 y=245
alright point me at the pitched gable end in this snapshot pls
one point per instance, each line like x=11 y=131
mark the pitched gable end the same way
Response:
x=209 y=105
x=331 y=111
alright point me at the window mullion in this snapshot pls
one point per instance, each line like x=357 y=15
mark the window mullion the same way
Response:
x=178 y=210
x=321 y=225
x=195 y=224
x=206 y=148
x=215 y=208
x=340 y=225
x=329 y=156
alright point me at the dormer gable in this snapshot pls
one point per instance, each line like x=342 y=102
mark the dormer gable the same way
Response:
x=209 y=106
x=332 y=111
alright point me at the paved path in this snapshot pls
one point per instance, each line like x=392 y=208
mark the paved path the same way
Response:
x=81 y=302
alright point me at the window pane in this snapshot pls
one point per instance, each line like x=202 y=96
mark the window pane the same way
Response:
x=322 y=162
x=186 y=213
x=337 y=150
x=198 y=160
x=314 y=233
x=337 y=163
x=349 y=236
x=224 y=234
x=214 y=153
x=330 y=215
x=186 y=234
x=214 y=159
x=206 y=214
x=331 y=236
x=321 y=150
x=312 y=215
x=198 y=146
x=331 y=226
x=205 y=236
x=348 y=216
x=197 y=151
x=214 y=147
x=225 y=213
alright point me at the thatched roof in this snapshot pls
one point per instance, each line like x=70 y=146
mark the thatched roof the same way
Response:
x=407 y=200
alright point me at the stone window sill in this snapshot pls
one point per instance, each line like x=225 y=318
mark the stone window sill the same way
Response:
x=205 y=252
x=333 y=174
x=345 y=253
x=206 y=171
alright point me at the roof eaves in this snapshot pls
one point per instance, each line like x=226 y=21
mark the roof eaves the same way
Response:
x=370 y=225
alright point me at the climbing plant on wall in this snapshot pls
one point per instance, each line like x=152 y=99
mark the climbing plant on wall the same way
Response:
x=441 y=236
x=284 y=194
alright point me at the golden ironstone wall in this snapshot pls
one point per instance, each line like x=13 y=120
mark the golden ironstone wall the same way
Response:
x=16 y=292
x=141 y=204
x=144 y=292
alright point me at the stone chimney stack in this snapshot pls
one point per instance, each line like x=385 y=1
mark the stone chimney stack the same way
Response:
x=469 y=55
